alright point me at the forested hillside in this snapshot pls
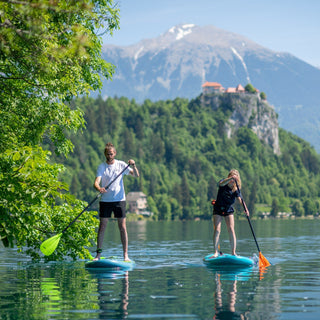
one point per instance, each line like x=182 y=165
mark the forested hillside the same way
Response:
x=182 y=152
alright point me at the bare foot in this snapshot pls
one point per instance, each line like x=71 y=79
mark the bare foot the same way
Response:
x=97 y=257
x=214 y=255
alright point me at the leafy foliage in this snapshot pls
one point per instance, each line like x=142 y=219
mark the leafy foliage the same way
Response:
x=263 y=96
x=250 y=88
x=49 y=53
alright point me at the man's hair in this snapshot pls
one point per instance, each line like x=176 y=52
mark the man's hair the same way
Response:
x=109 y=146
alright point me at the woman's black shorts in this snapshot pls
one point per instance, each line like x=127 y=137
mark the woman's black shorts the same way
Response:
x=223 y=214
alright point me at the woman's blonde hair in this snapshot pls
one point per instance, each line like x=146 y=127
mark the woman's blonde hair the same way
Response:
x=234 y=172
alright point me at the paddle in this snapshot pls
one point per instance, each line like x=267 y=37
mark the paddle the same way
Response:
x=263 y=262
x=49 y=245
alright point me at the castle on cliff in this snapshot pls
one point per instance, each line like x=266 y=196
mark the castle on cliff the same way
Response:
x=215 y=87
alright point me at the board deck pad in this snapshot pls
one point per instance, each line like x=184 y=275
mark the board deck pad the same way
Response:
x=228 y=260
x=110 y=263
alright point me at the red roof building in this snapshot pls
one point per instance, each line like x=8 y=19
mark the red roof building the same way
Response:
x=215 y=87
x=231 y=90
x=212 y=87
x=240 y=88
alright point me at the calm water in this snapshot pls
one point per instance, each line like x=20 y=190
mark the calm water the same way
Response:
x=170 y=280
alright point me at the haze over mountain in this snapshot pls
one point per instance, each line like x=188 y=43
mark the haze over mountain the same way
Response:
x=178 y=62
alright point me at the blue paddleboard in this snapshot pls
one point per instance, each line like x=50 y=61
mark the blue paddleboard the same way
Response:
x=110 y=263
x=228 y=260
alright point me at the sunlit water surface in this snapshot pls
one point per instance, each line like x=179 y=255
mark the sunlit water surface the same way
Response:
x=170 y=281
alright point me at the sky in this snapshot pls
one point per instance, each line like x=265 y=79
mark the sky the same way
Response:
x=291 y=26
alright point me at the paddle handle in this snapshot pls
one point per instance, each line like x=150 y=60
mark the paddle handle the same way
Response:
x=97 y=196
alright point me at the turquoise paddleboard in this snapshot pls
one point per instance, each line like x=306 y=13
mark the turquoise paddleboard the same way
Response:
x=110 y=263
x=228 y=260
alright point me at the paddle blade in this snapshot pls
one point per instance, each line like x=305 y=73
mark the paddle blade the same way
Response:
x=48 y=246
x=91 y=257
x=263 y=262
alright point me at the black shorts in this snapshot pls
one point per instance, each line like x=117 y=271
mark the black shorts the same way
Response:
x=118 y=208
x=222 y=213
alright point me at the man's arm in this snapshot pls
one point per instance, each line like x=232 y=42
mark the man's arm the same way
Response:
x=135 y=171
x=97 y=185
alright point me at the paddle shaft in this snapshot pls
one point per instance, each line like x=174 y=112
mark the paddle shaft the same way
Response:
x=97 y=196
x=245 y=209
x=254 y=236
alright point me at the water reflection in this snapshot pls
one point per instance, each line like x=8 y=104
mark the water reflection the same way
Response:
x=113 y=302
x=231 y=273
x=226 y=291
x=51 y=290
x=226 y=310
x=225 y=295
x=170 y=280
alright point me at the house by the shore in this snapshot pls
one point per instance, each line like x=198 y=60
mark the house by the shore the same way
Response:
x=137 y=202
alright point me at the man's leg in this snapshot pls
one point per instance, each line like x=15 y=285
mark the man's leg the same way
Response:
x=101 y=230
x=124 y=237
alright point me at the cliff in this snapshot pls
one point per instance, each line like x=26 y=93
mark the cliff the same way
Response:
x=247 y=110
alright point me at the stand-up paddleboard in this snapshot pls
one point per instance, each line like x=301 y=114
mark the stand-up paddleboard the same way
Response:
x=112 y=263
x=228 y=260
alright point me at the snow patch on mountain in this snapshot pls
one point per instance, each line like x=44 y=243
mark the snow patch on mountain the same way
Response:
x=242 y=61
x=181 y=31
x=136 y=56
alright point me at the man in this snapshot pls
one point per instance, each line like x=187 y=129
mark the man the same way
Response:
x=113 y=199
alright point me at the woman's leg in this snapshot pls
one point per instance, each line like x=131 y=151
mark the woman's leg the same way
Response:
x=216 y=234
x=232 y=235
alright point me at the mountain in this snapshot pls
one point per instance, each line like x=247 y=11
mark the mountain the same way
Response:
x=178 y=62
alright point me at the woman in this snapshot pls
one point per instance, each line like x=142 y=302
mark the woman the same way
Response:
x=227 y=194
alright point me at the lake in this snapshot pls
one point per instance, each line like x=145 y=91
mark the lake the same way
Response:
x=169 y=280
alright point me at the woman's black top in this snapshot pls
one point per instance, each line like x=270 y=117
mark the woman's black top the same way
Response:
x=225 y=200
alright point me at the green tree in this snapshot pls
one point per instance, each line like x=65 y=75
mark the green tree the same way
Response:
x=263 y=96
x=253 y=197
x=309 y=207
x=297 y=208
x=250 y=88
x=248 y=140
x=274 y=208
x=164 y=208
x=152 y=207
x=49 y=53
x=212 y=188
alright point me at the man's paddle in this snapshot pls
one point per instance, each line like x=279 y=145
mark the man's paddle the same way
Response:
x=49 y=245
x=263 y=262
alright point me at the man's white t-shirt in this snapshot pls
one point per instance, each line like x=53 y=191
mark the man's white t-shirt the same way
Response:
x=108 y=172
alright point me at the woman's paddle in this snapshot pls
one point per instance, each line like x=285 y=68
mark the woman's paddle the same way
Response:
x=49 y=245
x=263 y=262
